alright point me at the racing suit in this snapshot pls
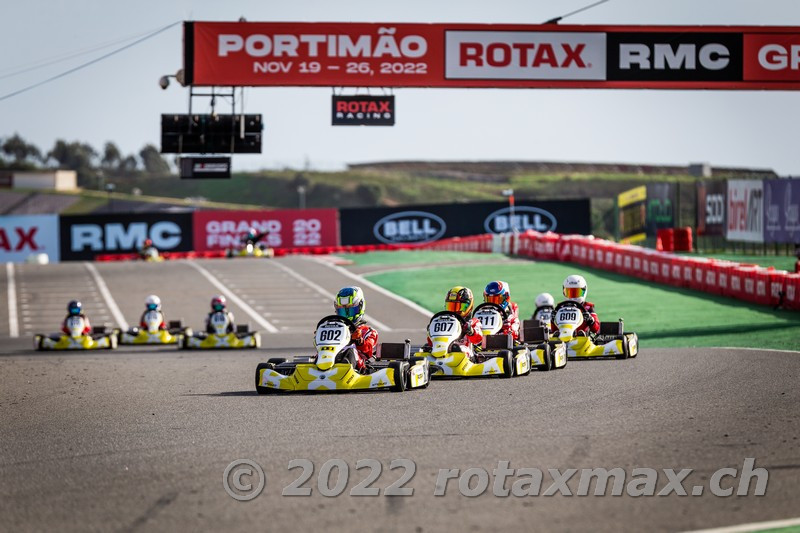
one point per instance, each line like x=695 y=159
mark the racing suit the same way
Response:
x=590 y=321
x=87 y=328
x=163 y=324
x=364 y=339
x=511 y=323
x=231 y=326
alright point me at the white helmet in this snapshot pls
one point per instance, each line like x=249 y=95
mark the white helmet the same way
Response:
x=545 y=300
x=153 y=303
x=575 y=288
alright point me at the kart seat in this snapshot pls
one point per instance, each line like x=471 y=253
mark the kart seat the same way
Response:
x=242 y=328
x=610 y=328
x=533 y=331
x=394 y=350
x=498 y=342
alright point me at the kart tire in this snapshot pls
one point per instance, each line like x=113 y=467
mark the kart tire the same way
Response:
x=259 y=388
x=508 y=363
x=276 y=360
x=416 y=359
x=625 y=351
x=401 y=375
x=37 y=342
x=112 y=341
x=549 y=364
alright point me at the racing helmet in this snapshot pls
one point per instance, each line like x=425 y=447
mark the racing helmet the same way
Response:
x=148 y=243
x=459 y=300
x=350 y=303
x=74 y=307
x=497 y=292
x=575 y=288
x=152 y=303
x=251 y=233
x=545 y=299
x=218 y=303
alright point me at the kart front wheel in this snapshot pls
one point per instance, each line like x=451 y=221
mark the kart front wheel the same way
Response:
x=549 y=363
x=508 y=363
x=400 y=370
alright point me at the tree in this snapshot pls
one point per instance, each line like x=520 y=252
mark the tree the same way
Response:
x=112 y=157
x=129 y=164
x=153 y=162
x=20 y=151
x=75 y=156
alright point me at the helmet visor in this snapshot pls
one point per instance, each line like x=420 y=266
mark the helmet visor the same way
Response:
x=152 y=307
x=498 y=299
x=218 y=306
x=348 y=311
x=456 y=307
x=74 y=310
x=574 y=292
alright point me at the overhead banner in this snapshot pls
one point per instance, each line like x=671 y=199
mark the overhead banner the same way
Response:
x=745 y=211
x=711 y=207
x=661 y=203
x=632 y=213
x=362 y=110
x=426 y=223
x=85 y=236
x=285 y=228
x=25 y=235
x=782 y=210
x=337 y=54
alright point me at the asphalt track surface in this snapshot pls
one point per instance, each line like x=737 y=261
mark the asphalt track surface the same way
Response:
x=137 y=439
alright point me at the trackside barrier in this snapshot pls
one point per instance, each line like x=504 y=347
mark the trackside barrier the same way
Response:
x=750 y=283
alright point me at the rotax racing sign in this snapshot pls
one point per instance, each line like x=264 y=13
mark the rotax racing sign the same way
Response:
x=490 y=55
x=363 y=110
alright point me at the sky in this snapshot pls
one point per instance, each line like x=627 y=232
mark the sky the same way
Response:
x=119 y=99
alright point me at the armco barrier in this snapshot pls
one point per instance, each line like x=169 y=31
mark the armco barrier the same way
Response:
x=750 y=283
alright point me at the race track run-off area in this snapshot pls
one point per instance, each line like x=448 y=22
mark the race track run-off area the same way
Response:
x=138 y=438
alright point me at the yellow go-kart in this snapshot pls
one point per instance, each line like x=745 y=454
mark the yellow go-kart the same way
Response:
x=331 y=369
x=448 y=358
x=101 y=338
x=495 y=343
x=220 y=338
x=152 y=334
x=612 y=341
x=251 y=250
x=546 y=353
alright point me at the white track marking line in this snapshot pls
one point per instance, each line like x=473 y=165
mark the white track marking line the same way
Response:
x=235 y=299
x=751 y=349
x=13 y=320
x=110 y=303
x=377 y=288
x=755 y=526
x=328 y=295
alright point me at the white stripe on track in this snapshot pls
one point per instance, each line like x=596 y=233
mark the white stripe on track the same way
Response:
x=13 y=319
x=110 y=303
x=260 y=320
x=325 y=293
x=377 y=288
x=755 y=526
x=751 y=349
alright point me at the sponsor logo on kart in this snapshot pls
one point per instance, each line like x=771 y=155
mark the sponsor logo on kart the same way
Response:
x=525 y=55
x=524 y=218
x=409 y=227
x=118 y=236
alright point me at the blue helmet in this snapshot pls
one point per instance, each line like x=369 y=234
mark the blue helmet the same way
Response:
x=497 y=292
x=74 y=307
x=349 y=303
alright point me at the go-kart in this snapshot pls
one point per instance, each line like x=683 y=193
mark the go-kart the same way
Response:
x=101 y=337
x=250 y=249
x=151 y=255
x=611 y=341
x=219 y=337
x=495 y=343
x=151 y=334
x=331 y=369
x=448 y=358
x=546 y=353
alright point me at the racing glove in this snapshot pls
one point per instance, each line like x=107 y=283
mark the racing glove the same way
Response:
x=587 y=317
x=468 y=331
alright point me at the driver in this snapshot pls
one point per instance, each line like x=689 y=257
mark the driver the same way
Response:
x=459 y=300
x=219 y=305
x=153 y=303
x=350 y=304
x=574 y=289
x=253 y=237
x=146 y=248
x=75 y=308
x=545 y=303
x=499 y=293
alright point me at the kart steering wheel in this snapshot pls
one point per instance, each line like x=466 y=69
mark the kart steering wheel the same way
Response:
x=337 y=318
x=569 y=303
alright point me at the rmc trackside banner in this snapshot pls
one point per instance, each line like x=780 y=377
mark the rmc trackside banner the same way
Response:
x=491 y=55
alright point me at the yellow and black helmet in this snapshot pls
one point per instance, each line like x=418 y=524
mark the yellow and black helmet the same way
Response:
x=459 y=300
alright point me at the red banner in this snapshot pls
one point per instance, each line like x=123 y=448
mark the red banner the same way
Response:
x=289 y=228
x=490 y=55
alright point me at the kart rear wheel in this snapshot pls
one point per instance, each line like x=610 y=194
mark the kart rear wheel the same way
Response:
x=508 y=363
x=400 y=375
x=276 y=360
x=549 y=364
x=625 y=350
x=259 y=388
